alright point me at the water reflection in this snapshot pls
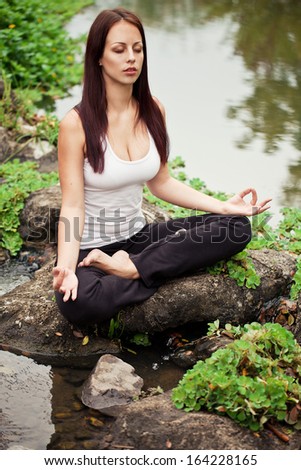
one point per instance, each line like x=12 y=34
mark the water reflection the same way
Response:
x=169 y=15
x=25 y=390
x=268 y=38
x=292 y=189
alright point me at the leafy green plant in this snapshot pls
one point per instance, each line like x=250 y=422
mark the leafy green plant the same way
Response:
x=214 y=329
x=16 y=108
x=116 y=327
x=287 y=236
x=19 y=180
x=36 y=50
x=239 y=267
x=141 y=339
x=253 y=379
x=296 y=285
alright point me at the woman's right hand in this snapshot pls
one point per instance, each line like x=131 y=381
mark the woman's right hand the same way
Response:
x=65 y=281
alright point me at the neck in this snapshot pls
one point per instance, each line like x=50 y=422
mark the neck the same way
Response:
x=119 y=98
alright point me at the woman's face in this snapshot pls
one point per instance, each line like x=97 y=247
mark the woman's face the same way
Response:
x=122 y=58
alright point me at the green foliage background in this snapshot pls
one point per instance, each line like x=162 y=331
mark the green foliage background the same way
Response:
x=36 y=51
x=20 y=180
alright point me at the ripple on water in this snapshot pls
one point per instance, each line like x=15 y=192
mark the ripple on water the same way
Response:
x=25 y=390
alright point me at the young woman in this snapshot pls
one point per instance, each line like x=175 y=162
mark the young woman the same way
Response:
x=110 y=145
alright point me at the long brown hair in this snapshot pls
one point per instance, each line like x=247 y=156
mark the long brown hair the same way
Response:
x=93 y=107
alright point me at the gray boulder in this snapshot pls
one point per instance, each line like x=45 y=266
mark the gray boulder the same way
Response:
x=111 y=385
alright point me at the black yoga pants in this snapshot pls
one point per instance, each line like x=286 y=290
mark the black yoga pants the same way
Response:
x=160 y=251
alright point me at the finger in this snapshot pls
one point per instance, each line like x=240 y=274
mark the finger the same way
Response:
x=263 y=209
x=67 y=295
x=263 y=206
x=260 y=208
x=74 y=293
x=264 y=203
x=84 y=262
x=244 y=193
x=247 y=191
x=255 y=210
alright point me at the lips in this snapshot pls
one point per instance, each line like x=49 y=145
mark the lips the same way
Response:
x=131 y=69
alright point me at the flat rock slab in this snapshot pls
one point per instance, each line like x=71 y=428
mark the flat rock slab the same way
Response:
x=155 y=424
x=31 y=325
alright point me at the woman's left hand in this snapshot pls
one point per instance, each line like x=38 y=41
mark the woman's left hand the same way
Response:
x=237 y=204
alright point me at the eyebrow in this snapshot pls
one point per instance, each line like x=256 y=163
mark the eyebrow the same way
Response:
x=124 y=44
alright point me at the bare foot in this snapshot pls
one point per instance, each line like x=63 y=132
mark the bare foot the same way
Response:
x=119 y=264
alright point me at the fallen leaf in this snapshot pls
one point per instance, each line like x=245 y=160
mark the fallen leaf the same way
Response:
x=97 y=423
x=85 y=340
x=168 y=444
x=293 y=415
x=221 y=409
x=77 y=334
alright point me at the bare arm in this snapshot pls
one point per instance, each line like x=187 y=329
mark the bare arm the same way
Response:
x=70 y=156
x=165 y=187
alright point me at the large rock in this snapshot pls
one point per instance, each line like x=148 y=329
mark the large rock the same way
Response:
x=155 y=424
x=204 y=297
x=39 y=218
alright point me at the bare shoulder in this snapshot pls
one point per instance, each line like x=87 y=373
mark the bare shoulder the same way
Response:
x=71 y=122
x=71 y=138
x=160 y=105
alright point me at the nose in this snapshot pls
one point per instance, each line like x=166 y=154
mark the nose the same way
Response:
x=131 y=56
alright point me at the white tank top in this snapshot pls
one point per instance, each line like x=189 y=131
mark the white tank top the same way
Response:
x=113 y=198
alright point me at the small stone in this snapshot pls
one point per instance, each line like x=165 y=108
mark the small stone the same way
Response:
x=111 y=385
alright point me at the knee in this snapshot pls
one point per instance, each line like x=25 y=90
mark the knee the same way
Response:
x=83 y=311
x=242 y=230
x=72 y=310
